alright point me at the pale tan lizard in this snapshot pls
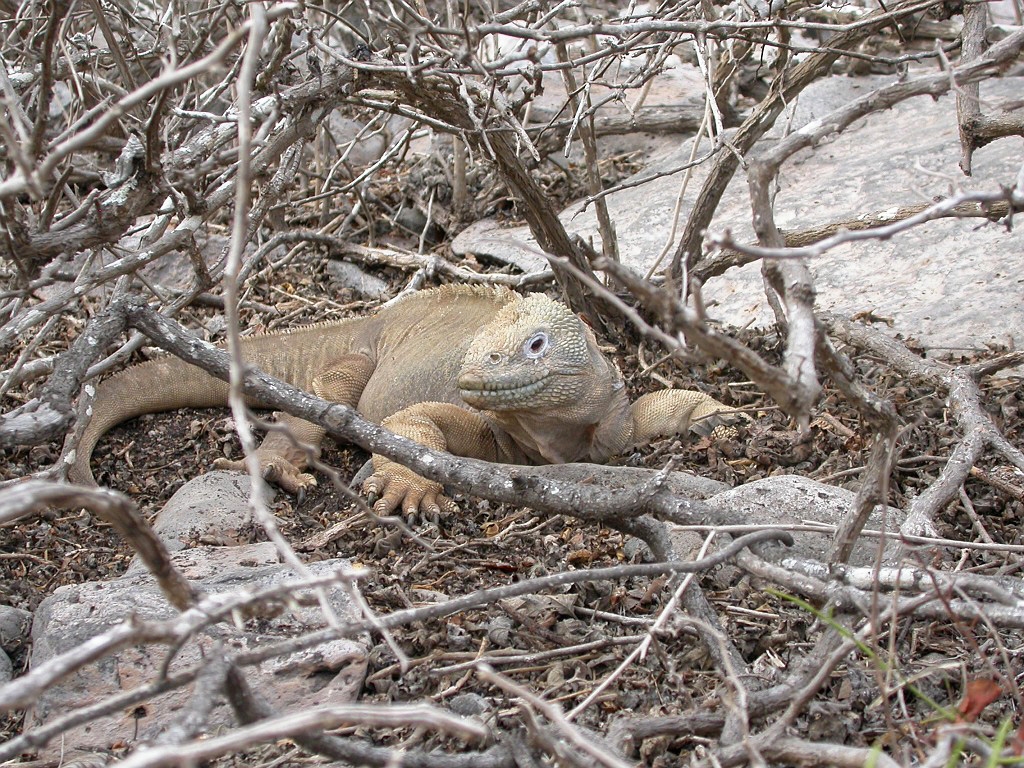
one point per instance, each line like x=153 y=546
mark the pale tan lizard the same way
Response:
x=479 y=372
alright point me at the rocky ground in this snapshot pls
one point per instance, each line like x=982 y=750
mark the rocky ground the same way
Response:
x=561 y=646
x=564 y=646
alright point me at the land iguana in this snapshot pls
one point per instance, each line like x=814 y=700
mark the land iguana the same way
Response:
x=478 y=372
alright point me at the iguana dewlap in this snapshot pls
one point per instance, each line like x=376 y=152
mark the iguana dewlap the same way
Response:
x=479 y=372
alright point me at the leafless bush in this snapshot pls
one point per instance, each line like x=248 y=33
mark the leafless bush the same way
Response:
x=134 y=132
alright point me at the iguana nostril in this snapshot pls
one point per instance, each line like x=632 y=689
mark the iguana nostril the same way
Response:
x=494 y=358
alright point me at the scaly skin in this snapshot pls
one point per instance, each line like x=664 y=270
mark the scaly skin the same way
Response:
x=537 y=387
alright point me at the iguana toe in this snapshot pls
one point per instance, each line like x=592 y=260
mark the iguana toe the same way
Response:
x=276 y=470
x=290 y=479
x=223 y=463
x=394 y=487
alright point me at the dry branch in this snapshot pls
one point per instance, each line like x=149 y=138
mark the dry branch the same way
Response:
x=960 y=383
x=788 y=85
x=261 y=719
x=442 y=97
x=977 y=128
x=295 y=725
x=725 y=256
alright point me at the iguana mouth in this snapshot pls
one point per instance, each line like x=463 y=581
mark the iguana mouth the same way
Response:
x=494 y=392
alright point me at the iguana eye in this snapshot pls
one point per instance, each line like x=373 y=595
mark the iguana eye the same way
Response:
x=536 y=345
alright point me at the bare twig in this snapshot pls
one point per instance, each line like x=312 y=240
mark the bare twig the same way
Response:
x=976 y=426
x=592 y=752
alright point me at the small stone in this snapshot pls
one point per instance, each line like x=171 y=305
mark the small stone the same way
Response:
x=15 y=625
x=352 y=276
x=217 y=501
x=637 y=551
x=468 y=704
x=499 y=631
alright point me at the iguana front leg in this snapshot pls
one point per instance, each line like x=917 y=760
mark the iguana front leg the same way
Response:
x=443 y=427
x=286 y=450
x=676 y=411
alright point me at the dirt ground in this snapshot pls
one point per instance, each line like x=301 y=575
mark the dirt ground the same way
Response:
x=561 y=645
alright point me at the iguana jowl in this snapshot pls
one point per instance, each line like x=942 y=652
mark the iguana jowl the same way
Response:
x=479 y=372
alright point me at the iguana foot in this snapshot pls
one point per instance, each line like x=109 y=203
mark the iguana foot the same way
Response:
x=276 y=470
x=719 y=426
x=394 y=487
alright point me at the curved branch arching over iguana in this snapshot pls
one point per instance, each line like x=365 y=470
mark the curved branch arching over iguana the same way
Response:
x=479 y=372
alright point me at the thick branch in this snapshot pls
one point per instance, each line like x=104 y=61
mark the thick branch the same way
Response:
x=725 y=257
x=47 y=417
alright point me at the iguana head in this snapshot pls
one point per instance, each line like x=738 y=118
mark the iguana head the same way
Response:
x=534 y=354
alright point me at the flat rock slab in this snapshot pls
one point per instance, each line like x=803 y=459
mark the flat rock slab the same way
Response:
x=329 y=673
x=948 y=283
x=790 y=500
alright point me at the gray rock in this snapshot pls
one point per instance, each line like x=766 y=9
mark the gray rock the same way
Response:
x=947 y=282
x=352 y=276
x=330 y=672
x=793 y=500
x=6 y=668
x=214 y=503
x=362 y=147
x=175 y=270
x=201 y=564
x=15 y=625
x=415 y=222
x=469 y=704
x=637 y=551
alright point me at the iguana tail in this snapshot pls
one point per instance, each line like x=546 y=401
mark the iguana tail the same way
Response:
x=158 y=385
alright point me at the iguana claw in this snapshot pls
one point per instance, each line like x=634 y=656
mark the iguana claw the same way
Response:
x=276 y=470
x=394 y=487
